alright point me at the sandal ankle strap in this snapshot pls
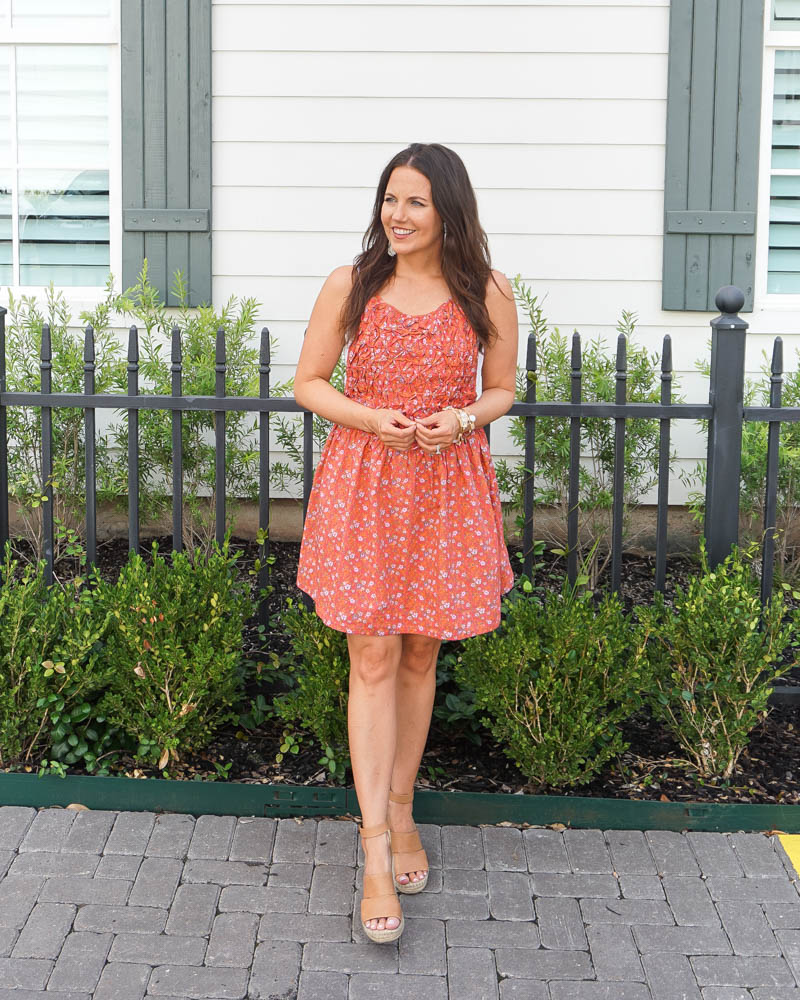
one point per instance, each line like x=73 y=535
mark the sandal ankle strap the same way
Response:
x=367 y=832
x=401 y=796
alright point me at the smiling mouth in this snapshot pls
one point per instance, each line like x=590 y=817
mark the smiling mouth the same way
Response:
x=403 y=232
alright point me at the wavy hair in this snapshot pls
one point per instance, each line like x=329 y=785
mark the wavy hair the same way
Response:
x=466 y=264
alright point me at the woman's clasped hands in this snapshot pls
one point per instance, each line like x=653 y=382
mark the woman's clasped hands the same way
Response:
x=433 y=433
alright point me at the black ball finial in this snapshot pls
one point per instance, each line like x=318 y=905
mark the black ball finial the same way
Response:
x=729 y=299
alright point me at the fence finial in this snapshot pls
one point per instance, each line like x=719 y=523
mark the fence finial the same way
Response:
x=729 y=299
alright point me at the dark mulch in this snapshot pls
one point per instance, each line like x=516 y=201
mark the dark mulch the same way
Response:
x=768 y=771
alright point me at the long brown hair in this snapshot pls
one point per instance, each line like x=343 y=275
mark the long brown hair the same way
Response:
x=466 y=264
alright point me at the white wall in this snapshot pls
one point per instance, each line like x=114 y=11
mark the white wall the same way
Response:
x=557 y=109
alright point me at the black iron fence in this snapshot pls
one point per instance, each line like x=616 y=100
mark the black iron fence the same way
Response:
x=724 y=411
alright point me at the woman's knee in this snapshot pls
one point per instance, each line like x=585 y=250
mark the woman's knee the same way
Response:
x=373 y=660
x=420 y=653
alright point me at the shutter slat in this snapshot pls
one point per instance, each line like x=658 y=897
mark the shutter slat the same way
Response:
x=713 y=110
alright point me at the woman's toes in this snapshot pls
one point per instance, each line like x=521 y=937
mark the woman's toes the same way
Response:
x=402 y=878
x=392 y=923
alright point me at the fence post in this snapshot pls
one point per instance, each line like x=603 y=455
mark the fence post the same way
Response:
x=726 y=396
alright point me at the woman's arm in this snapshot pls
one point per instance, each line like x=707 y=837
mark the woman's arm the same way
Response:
x=322 y=348
x=499 y=371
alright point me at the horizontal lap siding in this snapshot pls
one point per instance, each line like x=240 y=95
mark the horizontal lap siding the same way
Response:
x=558 y=110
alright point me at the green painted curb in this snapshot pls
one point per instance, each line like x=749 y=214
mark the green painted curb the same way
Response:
x=472 y=808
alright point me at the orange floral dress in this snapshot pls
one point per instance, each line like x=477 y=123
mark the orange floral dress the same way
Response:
x=406 y=542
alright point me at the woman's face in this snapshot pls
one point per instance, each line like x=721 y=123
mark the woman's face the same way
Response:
x=409 y=219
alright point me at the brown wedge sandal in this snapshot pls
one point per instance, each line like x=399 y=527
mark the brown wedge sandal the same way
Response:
x=408 y=854
x=379 y=898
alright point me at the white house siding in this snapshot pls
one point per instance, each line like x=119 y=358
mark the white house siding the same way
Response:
x=557 y=109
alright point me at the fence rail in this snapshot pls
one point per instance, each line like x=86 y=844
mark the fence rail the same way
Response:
x=724 y=411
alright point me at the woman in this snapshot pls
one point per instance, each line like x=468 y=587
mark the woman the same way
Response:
x=403 y=540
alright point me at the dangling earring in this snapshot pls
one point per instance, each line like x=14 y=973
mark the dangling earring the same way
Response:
x=391 y=251
x=444 y=230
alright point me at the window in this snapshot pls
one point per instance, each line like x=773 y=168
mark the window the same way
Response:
x=55 y=142
x=784 y=190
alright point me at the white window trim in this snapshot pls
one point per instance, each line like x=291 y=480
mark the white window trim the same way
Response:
x=91 y=31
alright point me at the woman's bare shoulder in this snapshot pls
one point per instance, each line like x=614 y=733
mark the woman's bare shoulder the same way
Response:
x=340 y=280
x=498 y=287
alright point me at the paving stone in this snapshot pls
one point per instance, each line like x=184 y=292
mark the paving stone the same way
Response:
x=8 y=935
x=747 y=929
x=588 y=852
x=253 y=837
x=532 y=963
x=725 y=993
x=287 y=873
x=130 y=833
x=121 y=919
x=6 y=858
x=233 y=940
x=225 y=872
x=89 y=832
x=641 y=887
x=775 y=993
x=422 y=949
x=14 y=823
x=626 y=911
x=123 y=866
x=45 y=863
x=548 y=884
x=510 y=896
x=630 y=852
x=740 y=971
x=446 y=906
x=294 y=841
x=757 y=855
x=504 y=848
x=789 y=942
x=472 y=974
x=462 y=847
x=685 y=940
x=198 y=982
x=523 y=989
x=263 y=899
x=79 y=889
x=599 y=991
x=671 y=853
x=170 y=837
x=304 y=927
x=614 y=955
x=24 y=973
x=156 y=882
x=560 y=923
x=18 y=895
x=331 y=889
x=327 y=956
x=44 y=931
x=753 y=890
x=782 y=914
x=465 y=880
x=212 y=838
x=545 y=850
x=491 y=934
x=714 y=854
x=122 y=981
x=336 y=843
x=48 y=831
x=158 y=949
x=690 y=901
x=19 y=994
x=276 y=969
x=431 y=836
x=81 y=961
x=670 y=976
x=193 y=910
x=372 y=986
x=322 y=986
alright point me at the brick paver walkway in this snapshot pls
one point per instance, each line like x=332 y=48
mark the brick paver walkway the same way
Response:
x=122 y=905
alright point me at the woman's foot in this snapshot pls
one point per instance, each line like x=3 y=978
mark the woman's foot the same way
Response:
x=377 y=859
x=401 y=821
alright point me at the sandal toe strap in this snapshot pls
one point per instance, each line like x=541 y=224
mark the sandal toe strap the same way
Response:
x=408 y=853
x=380 y=898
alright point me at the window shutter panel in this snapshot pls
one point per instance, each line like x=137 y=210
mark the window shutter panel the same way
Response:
x=711 y=175
x=166 y=144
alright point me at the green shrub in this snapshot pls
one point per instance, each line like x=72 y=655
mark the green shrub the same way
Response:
x=555 y=679
x=174 y=645
x=712 y=658
x=317 y=701
x=51 y=667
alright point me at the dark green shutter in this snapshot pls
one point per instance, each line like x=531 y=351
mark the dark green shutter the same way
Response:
x=711 y=175
x=166 y=143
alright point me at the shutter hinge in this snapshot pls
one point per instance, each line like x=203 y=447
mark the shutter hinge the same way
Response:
x=166 y=220
x=712 y=223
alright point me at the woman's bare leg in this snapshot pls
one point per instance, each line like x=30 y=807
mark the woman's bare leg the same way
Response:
x=416 y=689
x=372 y=730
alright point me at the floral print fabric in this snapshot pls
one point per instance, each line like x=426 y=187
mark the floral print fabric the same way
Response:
x=406 y=542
